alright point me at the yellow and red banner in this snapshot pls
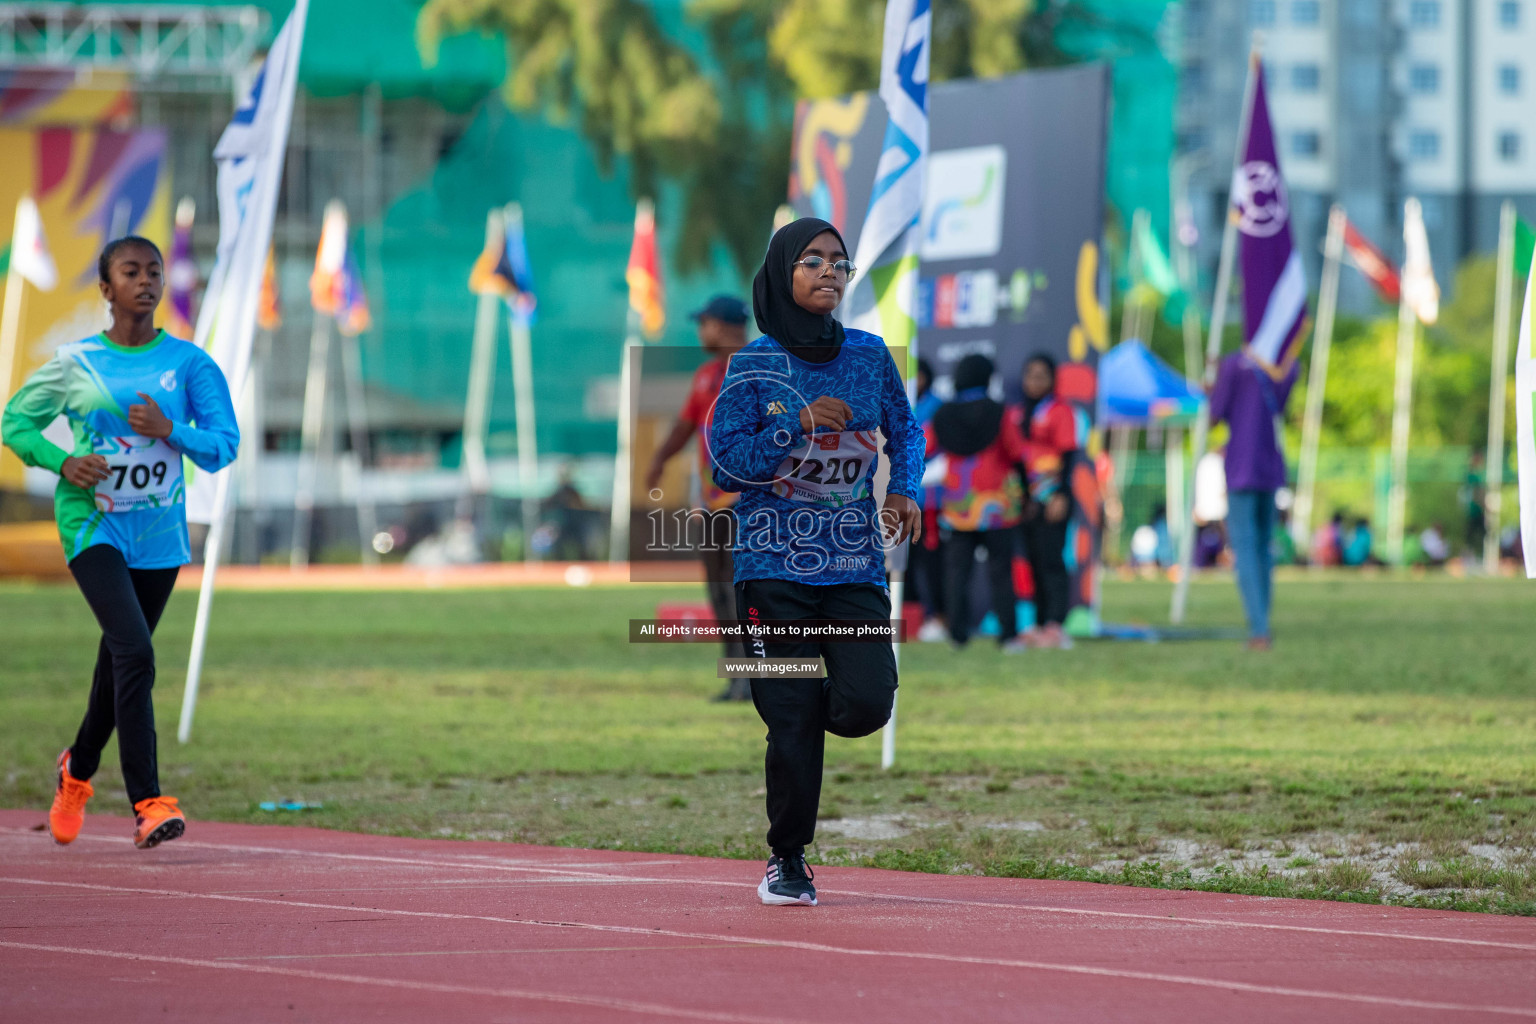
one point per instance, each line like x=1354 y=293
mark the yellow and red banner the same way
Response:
x=269 y=308
x=644 y=273
x=336 y=287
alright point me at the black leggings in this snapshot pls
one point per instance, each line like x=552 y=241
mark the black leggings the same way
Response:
x=127 y=604
x=1045 y=545
x=960 y=559
x=854 y=700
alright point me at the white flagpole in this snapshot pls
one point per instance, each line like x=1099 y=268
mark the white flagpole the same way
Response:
x=15 y=297
x=618 y=528
x=1173 y=469
x=1183 y=262
x=888 y=733
x=1317 y=381
x=315 y=394
x=1498 y=386
x=259 y=212
x=1130 y=318
x=1402 y=397
x=482 y=375
x=357 y=422
x=212 y=546
x=1213 y=347
x=10 y=328
x=527 y=421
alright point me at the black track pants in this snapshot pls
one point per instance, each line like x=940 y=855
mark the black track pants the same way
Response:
x=127 y=604
x=1045 y=544
x=960 y=559
x=854 y=700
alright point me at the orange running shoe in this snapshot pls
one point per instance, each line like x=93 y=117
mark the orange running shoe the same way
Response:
x=68 y=811
x=158 y=820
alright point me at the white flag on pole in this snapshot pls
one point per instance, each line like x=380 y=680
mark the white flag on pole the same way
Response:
x=30 y=257
x=1419 y=288
x=250 y=157
x=884 y=296
x=1525 y=407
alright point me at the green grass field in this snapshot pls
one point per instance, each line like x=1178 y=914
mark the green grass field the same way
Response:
x=1385 y=750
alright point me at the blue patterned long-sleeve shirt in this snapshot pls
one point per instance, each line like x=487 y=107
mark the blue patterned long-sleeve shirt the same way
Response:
x=807 y=511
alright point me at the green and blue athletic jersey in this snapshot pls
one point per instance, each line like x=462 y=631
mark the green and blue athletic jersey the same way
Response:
x=141 y=509
x=807 y=509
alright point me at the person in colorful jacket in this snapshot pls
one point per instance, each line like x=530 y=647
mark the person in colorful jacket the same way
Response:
x=137 y=401
x=1049 y=429
x=981 y=500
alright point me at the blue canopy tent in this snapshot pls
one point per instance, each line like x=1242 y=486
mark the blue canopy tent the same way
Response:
x=1137 y=389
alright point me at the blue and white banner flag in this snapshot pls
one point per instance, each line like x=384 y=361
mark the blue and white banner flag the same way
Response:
x=884 y=295
x=1525 y=423
x=250 y=157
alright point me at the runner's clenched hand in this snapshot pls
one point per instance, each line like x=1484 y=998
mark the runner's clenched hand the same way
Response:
x=147 y=420
x=900 y=517
x=85 y=470
x=826 y=411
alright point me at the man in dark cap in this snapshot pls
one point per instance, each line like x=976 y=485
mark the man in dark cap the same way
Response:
x=722 y=327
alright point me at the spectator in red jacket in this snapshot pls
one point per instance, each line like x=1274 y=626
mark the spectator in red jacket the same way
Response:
x=1048 y=427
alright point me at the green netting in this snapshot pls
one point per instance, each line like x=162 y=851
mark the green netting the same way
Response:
x=579 y=227
x=1145 y=91
x=353 y=43
x=416 y=260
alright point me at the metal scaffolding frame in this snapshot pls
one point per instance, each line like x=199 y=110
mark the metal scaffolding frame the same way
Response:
x=149 y=41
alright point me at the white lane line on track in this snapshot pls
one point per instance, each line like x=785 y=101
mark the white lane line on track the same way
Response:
x=511 y=865
x=625 y=1005
x=526 y=951
x=823 y=948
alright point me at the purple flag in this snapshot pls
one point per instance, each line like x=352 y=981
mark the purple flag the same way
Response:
x=1274 y=284
x=181 y=274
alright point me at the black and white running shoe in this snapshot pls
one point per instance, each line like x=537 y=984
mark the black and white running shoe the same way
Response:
x=787 y=883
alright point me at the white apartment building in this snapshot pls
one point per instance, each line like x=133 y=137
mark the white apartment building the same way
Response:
x=1373 y=101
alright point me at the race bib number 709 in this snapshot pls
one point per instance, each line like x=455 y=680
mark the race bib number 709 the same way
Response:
x=144 y=472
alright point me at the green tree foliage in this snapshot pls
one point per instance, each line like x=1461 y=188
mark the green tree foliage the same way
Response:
x=1450 y=382
x=718 y=124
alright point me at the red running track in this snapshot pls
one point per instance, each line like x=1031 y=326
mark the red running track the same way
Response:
x=269 y=923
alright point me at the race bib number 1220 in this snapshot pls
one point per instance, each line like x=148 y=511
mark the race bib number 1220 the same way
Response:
x=834 y=469
x=145 y=472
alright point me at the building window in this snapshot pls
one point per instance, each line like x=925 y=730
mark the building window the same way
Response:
x=1261 y=12
x=1424 y=14
x=1305 y=12
x=1424 y=79
x=1509 y=79
x=1424 y=145
x=1509 y=14
x=1305 y=77
x=1509 y=146
x=1193 y=77
x=1306 y=144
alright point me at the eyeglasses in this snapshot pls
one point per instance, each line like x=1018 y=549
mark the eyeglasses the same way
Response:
x=843 y=269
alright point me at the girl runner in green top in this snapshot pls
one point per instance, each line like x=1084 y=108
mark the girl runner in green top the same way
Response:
x=136 y=401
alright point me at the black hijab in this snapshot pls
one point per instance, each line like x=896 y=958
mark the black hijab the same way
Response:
x=1029 y=405
x=816 y=338
x=969 y=423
